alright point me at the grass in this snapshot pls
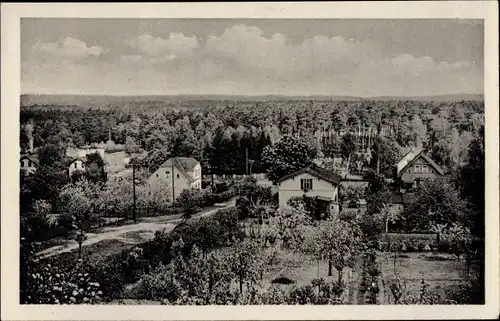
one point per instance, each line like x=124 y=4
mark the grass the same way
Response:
x=440 y=274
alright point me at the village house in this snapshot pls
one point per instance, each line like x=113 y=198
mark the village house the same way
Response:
x=29 y=162
x=311 y=181
x=76 y=164
x=416 y=166
x=178 y=174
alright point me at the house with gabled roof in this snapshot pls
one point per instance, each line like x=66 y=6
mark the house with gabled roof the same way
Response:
x=76 y=164
x=312 y=181
x=415 y=166
x=29 y=163
x=177 y=174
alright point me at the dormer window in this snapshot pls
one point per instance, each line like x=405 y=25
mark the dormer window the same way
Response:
x=306 y=184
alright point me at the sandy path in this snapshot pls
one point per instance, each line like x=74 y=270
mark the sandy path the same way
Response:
x=118 y=233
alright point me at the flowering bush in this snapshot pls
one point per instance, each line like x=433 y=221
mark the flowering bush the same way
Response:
x=50 y=284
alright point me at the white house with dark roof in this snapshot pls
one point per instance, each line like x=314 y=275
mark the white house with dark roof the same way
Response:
x=76 y=164
x=29 y=163
x=177 y=174
x=311 y=181
x=416 y=165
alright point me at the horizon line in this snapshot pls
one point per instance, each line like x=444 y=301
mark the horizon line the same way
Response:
x=245 y=95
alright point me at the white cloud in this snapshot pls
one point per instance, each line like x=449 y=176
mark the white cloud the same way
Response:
x=251 y=52
x=243 y=60
x=68 y=48
x=176 y=45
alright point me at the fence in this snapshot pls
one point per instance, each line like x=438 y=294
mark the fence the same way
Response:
x=223 y=177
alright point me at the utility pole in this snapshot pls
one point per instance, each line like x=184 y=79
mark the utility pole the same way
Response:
x=133 y=187
x=246 y=160
x=212 y=174
x=173 y=183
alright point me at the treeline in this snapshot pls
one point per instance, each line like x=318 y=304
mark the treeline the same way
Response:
x=191 y=129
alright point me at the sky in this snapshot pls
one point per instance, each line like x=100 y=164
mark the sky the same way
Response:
x=354 y=57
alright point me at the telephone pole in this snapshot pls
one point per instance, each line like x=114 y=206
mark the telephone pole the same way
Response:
x=173 y=183
x=246 y=160
x=212 y=173
x=133 y=187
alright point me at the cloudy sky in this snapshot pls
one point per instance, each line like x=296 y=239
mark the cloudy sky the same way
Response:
x=251 y=57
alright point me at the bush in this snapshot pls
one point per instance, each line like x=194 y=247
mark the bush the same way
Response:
x=412 y=242
x=282 y=280
x=302 y=295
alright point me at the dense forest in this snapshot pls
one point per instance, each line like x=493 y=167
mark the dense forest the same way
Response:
x=220 y=133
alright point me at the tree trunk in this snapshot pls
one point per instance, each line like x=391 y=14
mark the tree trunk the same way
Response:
x=395 y=258
x=79 y=250
x=241 y=283
x=387 y=226
x=348 y=161
x=330 y=267
x=318 y=268
x=340 y=274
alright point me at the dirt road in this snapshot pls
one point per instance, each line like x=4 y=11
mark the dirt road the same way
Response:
x=145 y=230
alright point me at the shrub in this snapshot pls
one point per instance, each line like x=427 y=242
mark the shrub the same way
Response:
x=274 y=296
x=302 y=295
x=412 y=242
x=282 y=280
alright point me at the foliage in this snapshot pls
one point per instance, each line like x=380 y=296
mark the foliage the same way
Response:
x=94 y=168
x=456 y=239
x=385 y=155
x=252 y=196
x=435 y=202
x=351 y=193
x=401 y=295
x=79 y=198
x=471 y=182
x=288 y=155
x=317 y=209
x=289 y=226
x=388 y=214
x=43 y=282
x=189 y=202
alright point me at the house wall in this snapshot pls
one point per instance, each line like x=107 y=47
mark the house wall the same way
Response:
x=197 y=175
x=409 y=175
x=27 y=165
x=77 y=165
x=291 y=188
x=162 y=179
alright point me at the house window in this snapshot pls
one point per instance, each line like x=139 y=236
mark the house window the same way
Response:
x=306 y=184
x=417 y=168
x=425 y=169
x=178 y=176
x=157 y=175
x=167 y=172
x=432 y=170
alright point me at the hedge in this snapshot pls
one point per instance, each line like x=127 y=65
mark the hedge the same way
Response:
x=402 y=242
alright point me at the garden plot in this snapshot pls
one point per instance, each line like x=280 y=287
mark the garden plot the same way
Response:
x=439 y=271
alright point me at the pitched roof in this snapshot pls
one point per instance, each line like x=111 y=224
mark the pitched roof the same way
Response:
x=183 y=164
x=316 y=171
x=74 y=159
x=422 y=154
x=408 y=157
x=31 y=157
